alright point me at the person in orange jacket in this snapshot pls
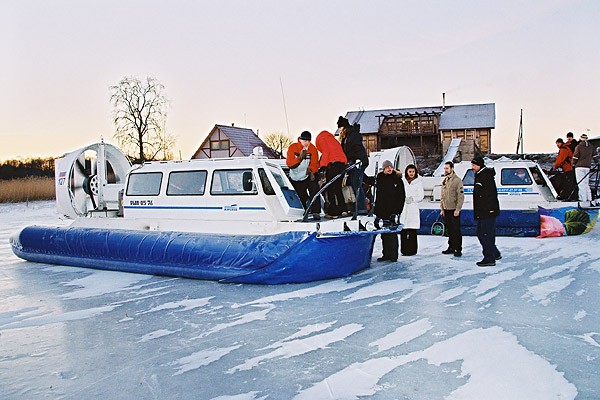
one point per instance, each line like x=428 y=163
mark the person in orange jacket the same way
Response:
x=333 y=161
x=303 y=161
x=566 y=187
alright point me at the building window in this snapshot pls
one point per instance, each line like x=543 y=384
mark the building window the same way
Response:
x=219 y=144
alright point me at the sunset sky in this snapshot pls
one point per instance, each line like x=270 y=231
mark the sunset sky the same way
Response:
x=222 y=61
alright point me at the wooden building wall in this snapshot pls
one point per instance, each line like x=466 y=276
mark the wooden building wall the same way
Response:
x=474 y=141
x=218 y=145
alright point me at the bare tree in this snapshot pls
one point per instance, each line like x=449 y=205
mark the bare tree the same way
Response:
x=139 y=115
x=278 y=141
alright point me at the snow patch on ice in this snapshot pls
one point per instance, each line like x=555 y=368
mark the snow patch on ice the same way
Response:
x=293 y=348
x=60 y=318
x=157 y=334
x=487 y=297
x=302 y=332
x=524 y=374
x=589 y=338
x=202 y=358
x=451 y=293
x=260 y=315
x=402 y=335
x=493 y=281
x=544 y=290
x=564 y=266
x=384 y=288
x=182 y=305
x=581 y=314
x=329 y=287
x=243 y=396
x=102 y=282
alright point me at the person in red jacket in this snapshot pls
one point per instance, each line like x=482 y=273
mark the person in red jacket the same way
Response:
x=565 y=186
x=303 y=161
x=333 y=161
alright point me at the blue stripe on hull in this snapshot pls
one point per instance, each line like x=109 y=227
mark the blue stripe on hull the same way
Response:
x=508 y=223
x=290 y=257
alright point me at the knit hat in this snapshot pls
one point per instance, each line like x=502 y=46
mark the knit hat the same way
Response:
x=306 y=136
x=478 y=161
x=583 y=136
x=341 y=122
x=387 y=163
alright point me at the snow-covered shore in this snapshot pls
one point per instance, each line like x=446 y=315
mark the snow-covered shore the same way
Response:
x=426 y=327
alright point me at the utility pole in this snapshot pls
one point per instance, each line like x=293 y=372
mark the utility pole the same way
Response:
x=520 y=139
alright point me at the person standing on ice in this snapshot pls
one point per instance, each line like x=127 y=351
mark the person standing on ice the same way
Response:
x=582 y=161
x=485 y=210
x=354 y=149
x=410 y=218
x=451 y=203
x=333 y=161
x=303 y=160
x=390 y=201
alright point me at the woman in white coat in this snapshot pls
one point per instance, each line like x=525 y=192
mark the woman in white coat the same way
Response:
x=410 y=217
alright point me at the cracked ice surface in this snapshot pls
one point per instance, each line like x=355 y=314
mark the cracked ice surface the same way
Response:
x=426 y=327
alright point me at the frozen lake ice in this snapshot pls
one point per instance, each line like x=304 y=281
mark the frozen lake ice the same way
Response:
x=426 y=327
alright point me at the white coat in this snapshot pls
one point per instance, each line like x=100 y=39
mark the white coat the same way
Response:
x=410 y=217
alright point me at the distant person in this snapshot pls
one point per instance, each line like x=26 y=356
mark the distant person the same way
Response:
x=389 y=200
x=354 y=149
x=411 y=218
x=571 y=142
x=485 y=210
x=303 y=161
x=582 y=161
x=566 y=182
x=333 y=161
x=451 y=203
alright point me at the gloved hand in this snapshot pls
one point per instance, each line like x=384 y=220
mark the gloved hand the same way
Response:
x=409 y=200
x=302 y=155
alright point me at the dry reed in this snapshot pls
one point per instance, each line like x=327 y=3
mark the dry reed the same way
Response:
x=26 y=189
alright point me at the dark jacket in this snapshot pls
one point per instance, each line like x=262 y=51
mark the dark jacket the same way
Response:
x=353 y=146
x=584 y=152
x=485 y=194
x=572 y=144
x=390 y=195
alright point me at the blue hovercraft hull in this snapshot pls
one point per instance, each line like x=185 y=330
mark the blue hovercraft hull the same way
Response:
x=290 y=257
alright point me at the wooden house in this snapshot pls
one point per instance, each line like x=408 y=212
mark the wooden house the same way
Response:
x=428 y=130
x=225 y=141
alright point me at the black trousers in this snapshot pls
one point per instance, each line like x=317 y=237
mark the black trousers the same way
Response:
x=408 y=242
x=306 y=190
x=486 y=233
x=390 y=245
x=335 y=198
x=453 y=229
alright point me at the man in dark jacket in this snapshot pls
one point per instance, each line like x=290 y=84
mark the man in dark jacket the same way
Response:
x=354 y=149
x=571 y=141
x=389 y=201
x=485 y=209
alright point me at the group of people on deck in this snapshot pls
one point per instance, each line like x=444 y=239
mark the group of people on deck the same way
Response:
x=573 y=164
x=308 y=172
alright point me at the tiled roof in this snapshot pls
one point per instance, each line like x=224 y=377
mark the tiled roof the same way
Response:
x=246 y=140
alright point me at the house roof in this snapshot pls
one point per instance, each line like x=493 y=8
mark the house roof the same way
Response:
x=470 y=116
x=244 y=139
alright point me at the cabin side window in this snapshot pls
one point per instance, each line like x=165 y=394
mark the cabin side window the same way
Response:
x=469 y=178
x=265 y=183
x=144 y=184
x=515 y=176
x=186 y=183
x=233 y=182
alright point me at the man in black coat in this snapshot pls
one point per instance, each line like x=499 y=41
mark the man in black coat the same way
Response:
x=389 y=200
x=485 y=209
x=355 y=151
